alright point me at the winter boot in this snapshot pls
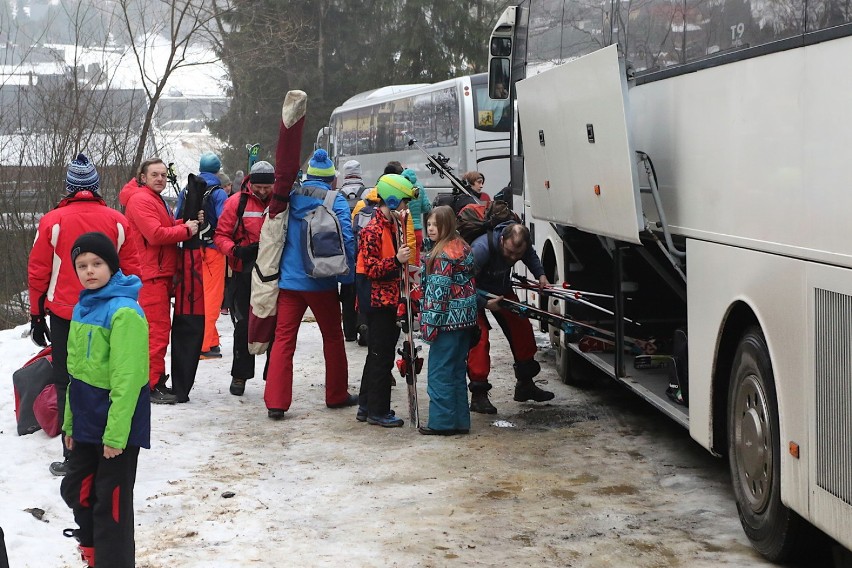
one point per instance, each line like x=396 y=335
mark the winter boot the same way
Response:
x=525 y=388
x=88 y=554
x=59 y=468
x=479 y=398
x=238 y=386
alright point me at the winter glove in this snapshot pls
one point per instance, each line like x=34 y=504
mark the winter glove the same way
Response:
x=38 y=330
x=247 y=253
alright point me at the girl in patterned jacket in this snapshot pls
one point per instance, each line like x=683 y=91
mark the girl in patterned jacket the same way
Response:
x=447 y=321
x=108 y=412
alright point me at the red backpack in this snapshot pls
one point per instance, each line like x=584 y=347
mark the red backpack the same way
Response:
x=478 y=218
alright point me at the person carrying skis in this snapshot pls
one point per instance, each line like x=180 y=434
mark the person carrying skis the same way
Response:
x=377 y=282
x=298 y=291
x=495 y=253
x=213 y=273
x=448 y=321
x=53 y=284
x=108 y=415
x=237 y=236
x=156 y=234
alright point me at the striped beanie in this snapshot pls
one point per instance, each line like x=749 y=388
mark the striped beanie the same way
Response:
x=82 y=175
x=321 y=167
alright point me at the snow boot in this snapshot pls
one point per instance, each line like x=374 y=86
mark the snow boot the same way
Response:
x=479 y=398
x=59 y=468
x=525 y=388
x=238 y=386
x=88 y=554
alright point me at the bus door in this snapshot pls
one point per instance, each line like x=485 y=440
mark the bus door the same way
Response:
x=580 y=167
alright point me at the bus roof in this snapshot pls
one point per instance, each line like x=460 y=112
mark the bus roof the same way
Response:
x=382 y=92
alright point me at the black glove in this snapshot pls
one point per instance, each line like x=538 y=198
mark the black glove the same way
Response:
x=38 y=330
x=246 y=253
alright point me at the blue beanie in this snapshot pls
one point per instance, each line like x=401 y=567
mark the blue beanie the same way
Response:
x=321 y=167
x=210 y=163
x=82 y=175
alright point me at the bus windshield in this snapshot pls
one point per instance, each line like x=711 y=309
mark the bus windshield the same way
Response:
x=491 y=115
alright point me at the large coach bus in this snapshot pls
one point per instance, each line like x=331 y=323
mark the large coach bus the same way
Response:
x=689 y=158
x=454 y=117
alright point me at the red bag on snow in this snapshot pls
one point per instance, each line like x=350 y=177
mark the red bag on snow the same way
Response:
x=28 y=382
x=46 y=411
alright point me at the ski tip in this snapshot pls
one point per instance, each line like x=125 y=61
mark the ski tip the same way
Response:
x=294 y=107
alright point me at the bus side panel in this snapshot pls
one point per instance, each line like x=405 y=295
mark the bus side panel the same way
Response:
x=830 y=396
x=773 y=288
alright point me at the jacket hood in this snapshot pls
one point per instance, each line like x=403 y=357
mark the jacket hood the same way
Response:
x=212 y=180
x=119 y=286
x=129 y=189
x=351 y=170
x=301 y=205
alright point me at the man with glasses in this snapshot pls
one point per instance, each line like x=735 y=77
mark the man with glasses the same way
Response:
x=495 y=253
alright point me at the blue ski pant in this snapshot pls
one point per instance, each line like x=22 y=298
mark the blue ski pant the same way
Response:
x=447 y=381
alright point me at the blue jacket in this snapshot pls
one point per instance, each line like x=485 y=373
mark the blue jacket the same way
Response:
x=293 y=275
x=109 y=396
x=493 y=274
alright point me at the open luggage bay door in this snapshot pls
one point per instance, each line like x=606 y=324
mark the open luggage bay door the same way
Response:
x=579 y=161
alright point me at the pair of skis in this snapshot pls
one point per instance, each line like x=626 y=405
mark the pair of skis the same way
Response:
x=409 y=364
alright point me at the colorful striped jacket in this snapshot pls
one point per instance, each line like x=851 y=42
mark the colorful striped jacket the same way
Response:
x=449 y=293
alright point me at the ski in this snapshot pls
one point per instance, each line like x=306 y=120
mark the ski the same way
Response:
x=409 y=364
x=567 y=325
x=438 y=164
x=562 y=294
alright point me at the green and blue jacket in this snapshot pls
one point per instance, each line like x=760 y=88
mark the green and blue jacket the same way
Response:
x=109 y=399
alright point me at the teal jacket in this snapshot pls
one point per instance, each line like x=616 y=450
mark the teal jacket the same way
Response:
x=109 y=400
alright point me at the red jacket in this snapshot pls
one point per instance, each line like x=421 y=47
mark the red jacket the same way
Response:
x=155 y=231
x=377 y=261
x=248 y=228
x=50 y=271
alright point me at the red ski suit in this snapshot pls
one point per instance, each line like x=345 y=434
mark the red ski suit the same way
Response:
x=51 y=273
x=156 y=233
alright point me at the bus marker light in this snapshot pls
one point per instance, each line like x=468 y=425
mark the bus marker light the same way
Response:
x=597 y=190
x=547 y=184
x=794 y=450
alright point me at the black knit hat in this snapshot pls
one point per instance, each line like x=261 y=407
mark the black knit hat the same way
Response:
x=99 y=244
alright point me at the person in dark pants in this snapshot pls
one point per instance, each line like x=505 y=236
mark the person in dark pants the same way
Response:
x=108 y=415
x=53 y=283
x=237 y=237
x=380 y=260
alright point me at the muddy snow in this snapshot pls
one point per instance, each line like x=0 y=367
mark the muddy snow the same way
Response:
x=592 y=478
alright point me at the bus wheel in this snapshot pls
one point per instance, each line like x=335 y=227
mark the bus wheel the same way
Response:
x=754 y=453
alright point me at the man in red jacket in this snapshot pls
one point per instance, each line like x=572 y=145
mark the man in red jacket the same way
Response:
x=157 y=234
x=53 y=283
x=237 y=237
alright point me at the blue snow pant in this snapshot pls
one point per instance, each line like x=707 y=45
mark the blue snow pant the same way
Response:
x=447 y=381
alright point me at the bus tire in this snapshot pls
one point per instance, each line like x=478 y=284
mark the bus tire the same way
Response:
x=754 y=452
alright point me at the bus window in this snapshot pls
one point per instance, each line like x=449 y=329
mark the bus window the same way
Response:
x=651 y=33
x=402 y=121
x=824 y=14
x=446 y=117
x=491 y=115
x=362 y=132
x=545 y=33
x=384 y=128
x=423 y=120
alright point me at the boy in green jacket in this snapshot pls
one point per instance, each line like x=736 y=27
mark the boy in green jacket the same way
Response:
x=108 y=409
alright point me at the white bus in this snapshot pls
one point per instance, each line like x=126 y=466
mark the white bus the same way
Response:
x=454 y=117
x=690 y=158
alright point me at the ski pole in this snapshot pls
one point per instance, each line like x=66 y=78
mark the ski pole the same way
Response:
x=565 y=288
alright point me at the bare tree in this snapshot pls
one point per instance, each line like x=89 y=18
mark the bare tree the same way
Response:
x=187 y=23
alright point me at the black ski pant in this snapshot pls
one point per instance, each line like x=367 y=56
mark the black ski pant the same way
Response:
x=376 y=379
x=350 y=316
x=100 y=493
x=59 y=330
x=242 y=366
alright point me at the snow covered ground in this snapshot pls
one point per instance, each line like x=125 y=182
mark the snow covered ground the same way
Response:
x=591 y=479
